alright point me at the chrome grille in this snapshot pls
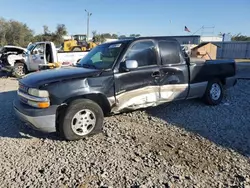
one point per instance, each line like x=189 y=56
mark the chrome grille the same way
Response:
x=23 y=88
x=23 y=100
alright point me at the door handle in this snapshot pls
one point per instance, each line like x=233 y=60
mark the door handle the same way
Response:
x=42 y=57
x=156 y=74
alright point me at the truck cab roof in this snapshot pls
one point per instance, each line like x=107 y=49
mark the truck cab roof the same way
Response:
x=132 y=39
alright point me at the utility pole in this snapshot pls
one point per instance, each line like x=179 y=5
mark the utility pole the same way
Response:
x=88 y=15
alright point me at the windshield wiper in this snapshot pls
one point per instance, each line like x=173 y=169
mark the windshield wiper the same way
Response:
x=89 y=66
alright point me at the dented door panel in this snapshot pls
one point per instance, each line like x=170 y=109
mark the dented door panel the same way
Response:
x=174 y=83
x=136 y=89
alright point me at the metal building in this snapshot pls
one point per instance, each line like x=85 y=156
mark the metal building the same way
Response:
x=233 y=50
x=188 y=39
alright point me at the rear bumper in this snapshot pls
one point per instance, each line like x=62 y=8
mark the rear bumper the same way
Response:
x=231 y=81
x=40 y=119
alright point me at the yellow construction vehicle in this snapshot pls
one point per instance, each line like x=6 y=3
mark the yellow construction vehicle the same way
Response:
x=78 y=43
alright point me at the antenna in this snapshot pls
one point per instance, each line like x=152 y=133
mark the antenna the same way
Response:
x=208 y=30
x=198 y=30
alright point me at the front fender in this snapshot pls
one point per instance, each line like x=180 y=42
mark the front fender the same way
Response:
x=66 y=91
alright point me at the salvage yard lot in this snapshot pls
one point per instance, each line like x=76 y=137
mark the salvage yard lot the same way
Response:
x=183 y=144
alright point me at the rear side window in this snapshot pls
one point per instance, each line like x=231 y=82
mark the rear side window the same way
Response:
x=169 y=52
x=143 y=52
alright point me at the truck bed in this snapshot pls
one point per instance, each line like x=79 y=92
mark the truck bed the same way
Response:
x=204 y=70
x=71 y=57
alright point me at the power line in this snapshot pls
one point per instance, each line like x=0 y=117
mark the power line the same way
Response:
x=202 y=30
x=207 y=32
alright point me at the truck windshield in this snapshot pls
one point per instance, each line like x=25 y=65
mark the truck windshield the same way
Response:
x=30 y=47
x=101 y=57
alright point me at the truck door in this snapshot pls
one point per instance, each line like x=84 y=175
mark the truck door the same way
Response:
x=37 y=56
x=138 y=87
x=174 y=84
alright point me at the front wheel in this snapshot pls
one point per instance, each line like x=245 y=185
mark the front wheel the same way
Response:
x=214 y=93
x=82 y=118
x=19 y=70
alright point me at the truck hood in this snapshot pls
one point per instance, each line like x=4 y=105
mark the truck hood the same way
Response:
x=16 y=47
x=48 y=76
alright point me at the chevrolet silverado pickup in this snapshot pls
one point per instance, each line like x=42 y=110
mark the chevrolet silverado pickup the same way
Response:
x=116 y=77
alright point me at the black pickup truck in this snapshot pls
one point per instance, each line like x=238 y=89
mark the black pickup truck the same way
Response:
x=116 y=77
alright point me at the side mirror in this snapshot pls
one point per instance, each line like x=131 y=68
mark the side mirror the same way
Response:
x=131 y=64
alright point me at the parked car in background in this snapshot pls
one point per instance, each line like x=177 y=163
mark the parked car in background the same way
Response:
x=42 y=53
x=115 y=77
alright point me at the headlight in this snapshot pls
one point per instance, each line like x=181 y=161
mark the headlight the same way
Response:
x=38 y=93
x=36 y=98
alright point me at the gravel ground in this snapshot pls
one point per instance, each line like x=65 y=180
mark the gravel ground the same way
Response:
x=183 y=144
x=243 y=70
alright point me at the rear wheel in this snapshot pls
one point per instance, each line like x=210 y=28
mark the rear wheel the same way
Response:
x=19 y=70
x=77 y=49
x=214 y=93
x=82 y=118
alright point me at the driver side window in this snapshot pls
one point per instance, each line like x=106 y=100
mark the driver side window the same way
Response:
x=143 y=52
x=39 y=49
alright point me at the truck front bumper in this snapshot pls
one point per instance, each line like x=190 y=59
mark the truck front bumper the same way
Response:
x=40 y=119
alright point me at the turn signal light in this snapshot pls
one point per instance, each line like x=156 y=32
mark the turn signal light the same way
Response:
x=43 y=104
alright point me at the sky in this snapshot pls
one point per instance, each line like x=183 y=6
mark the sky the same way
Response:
x=145 y=17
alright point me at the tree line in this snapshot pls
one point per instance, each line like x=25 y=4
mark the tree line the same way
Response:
x=240 y=37
x=103 y=36
x=13 y=32
x=17 y=33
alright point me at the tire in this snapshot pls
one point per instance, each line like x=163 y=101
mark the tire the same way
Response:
x=77 y=49
x=81 y=119
x=214 y=92
x=19 y=70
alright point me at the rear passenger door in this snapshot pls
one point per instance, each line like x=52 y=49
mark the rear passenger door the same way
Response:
x=174 y=72
x=138 y=87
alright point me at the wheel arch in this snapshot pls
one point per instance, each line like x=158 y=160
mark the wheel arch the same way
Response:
x=206 y=97
x=20 y=62
x=222 y=79
x=99 y=98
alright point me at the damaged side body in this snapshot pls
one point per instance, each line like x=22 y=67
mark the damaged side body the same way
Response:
x=10 y=54
x=163 y=75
